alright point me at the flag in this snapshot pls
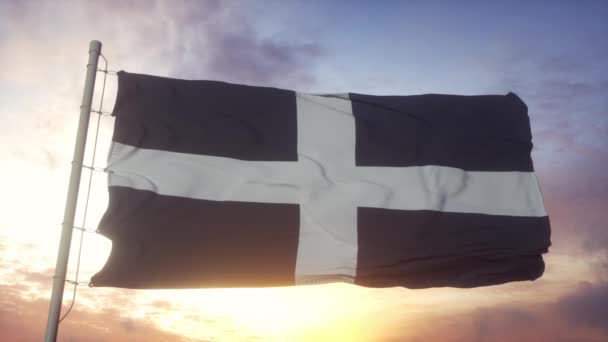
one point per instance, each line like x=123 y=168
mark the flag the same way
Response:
x=213 y=184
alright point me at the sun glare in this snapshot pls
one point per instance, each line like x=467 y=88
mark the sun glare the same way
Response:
x=332 y=312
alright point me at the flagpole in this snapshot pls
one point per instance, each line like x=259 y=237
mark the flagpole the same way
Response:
x=72 y=198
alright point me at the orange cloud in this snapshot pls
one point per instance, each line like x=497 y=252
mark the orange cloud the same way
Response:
x=25 y=320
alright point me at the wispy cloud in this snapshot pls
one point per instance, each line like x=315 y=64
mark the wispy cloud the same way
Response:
x=221 y=42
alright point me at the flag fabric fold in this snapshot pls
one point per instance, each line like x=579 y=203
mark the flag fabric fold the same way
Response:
x=214 y=184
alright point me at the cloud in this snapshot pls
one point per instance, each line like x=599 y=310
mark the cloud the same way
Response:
x=587 y=306
x=43 y=278
x=24 y=308
x=45 y=45
x=564 y=90
x=222 y=43
x=579 y=316
x=25 y=320
x=240 y=56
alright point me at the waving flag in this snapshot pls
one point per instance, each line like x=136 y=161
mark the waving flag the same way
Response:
x=223 y=185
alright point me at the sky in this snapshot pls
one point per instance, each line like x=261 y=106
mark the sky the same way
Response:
x=553 y=54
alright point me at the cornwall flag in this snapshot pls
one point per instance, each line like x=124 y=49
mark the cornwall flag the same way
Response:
x=224 y=185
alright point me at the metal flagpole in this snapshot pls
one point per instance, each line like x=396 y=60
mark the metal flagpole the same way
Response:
x=72 y=198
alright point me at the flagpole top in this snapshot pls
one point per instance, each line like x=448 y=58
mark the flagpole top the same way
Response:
x=95 y=45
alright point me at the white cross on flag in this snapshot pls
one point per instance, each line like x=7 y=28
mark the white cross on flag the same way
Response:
x=222 y=185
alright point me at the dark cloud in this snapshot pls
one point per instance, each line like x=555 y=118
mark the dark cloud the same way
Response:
x=243 y=57
x=580 y=316
x=587 y=306
x=222 y=43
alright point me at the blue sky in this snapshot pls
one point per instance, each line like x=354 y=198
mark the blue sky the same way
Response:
x=553 y=54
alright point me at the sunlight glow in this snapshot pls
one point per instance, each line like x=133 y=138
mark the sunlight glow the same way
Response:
x=299 y=313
